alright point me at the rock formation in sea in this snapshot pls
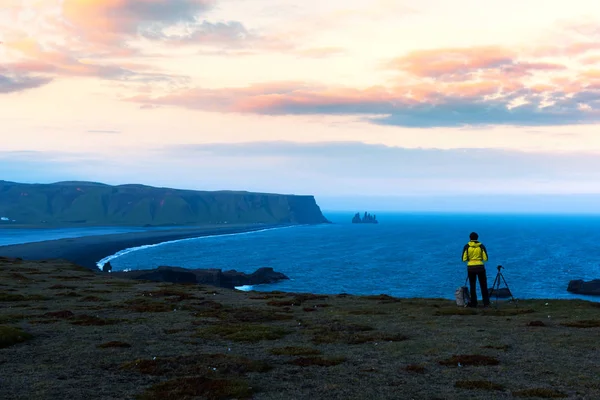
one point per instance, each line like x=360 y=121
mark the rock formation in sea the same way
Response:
x=89 y=203
x=581 y=287
x=366 y=219
x=216 y=277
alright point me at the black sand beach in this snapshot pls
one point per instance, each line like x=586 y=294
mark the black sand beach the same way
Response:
x=88 y=250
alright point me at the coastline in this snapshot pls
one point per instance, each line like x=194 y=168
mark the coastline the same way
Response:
x=87 y=251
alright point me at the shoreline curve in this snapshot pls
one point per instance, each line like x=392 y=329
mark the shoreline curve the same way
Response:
x=87 y=251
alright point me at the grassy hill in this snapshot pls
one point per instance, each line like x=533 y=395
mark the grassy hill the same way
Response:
x=93 y=203
x=67 y=332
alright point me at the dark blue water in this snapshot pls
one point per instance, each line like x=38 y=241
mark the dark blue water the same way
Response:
x=408 y=255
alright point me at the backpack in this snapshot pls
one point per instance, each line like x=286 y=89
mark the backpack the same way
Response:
x=463 y=298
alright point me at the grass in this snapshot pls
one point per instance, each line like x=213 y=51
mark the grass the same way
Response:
x=198 y=387
x=235 y=344
x=591 y=323
x=317 y=361
x=242 y=332
x=10 y=335
x=295 y=351
x=540 y=393
x=220 y=364
x=469 y=359
x=114 y=344
x=479 y=385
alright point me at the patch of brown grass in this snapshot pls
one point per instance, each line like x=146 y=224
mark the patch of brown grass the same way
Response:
x=89 y=320
x=469 y=359
x=243 y=314
x=539 y=392
x=66 y=314
x=198 y=387
x=455 y=311
x=416 y=368
x=590 y=323
x=195 y=364
x=10 y=335
x=302 y=297
x=536 y=323
x=144 y=305
x=367 y=312
x=382 y=298
x=112 y=344
x=242 y=332
x=96 y=291
x=18 y=276
x=309 y=309
x=295 y=351
x=483 y=385
x=11 y=318
x=503 y=347
x=283 y=303
x=317 y=361
x=492 y=312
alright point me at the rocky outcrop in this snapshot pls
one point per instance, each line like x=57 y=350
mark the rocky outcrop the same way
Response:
x=88 y=203
x=214 y=277
x=581 y=287
x=366 y=219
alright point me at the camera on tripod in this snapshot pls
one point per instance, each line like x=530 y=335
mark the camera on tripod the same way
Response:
x=497 y=290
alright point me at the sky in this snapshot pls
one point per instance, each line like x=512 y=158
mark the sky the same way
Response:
x=340 y=98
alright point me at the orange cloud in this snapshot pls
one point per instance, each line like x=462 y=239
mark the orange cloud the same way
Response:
x=438 y=63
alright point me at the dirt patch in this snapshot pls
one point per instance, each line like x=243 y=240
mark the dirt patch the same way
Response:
x=317 y=361
x=66 y=314
x=243 y=314
x=469 y=359
x=536 y=323
x=198 y=387
x=590 y=323
x=382 y=298
x=145 y=305
x=540 y=392
x=415 y=368
x=222 y=364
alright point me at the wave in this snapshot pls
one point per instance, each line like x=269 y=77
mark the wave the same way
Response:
x=245 y=288
x=101 y=263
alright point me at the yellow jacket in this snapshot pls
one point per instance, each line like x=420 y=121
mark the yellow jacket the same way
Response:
x=474 y=254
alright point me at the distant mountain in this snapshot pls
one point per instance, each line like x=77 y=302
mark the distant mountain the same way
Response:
x=91 y=203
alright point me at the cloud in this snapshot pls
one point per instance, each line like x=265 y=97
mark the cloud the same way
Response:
x=340 y=168
x=419 y=105
x=321 y=52
x=103 y=131
x=16 y=83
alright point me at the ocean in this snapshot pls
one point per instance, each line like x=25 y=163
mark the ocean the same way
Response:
x=405 y=255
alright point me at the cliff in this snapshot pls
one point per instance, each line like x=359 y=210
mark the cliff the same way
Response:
x=89 y=203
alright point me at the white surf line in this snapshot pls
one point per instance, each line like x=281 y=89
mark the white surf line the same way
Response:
x=101 y=263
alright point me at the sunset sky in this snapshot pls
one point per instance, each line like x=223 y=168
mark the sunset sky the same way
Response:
x=332 y=98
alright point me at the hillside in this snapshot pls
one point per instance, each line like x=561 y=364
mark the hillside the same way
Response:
x=91 y=203
x=69 y=333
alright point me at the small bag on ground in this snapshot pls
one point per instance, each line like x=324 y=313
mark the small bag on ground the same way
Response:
x=463 y=298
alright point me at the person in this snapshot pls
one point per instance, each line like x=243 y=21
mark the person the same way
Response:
x=475 y=255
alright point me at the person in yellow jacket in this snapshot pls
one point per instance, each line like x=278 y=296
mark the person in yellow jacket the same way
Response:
x=475 y=255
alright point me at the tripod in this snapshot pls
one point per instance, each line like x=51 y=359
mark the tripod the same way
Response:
x=496 y=286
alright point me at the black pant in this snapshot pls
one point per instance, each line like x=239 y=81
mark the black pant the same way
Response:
x=475 y=273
